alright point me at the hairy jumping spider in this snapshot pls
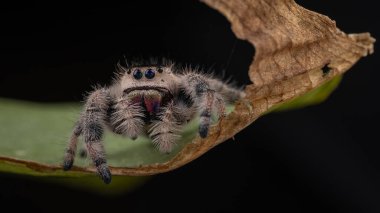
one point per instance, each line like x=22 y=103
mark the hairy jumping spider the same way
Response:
x=148 y=99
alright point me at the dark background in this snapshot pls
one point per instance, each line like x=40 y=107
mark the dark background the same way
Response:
x=319 y=159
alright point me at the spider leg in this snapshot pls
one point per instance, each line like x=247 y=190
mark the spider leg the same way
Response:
x=220 y=106
x=204 y=98
x=206 y=106
x=209 y=95
x=127 y=118
x=72 y=146
x=93 y=127
x=165 y=132
x=210 y=102
x=229 y=93
x=83 y=151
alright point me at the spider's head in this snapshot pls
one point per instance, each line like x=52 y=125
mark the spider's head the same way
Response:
x=151 y=85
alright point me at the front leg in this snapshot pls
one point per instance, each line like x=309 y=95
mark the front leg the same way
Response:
x=72 y=146
x=166 y=131
x=92 y=128
x=127 y=118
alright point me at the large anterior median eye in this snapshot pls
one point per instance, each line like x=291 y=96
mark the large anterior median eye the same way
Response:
x=137 y=74
x=149 y=74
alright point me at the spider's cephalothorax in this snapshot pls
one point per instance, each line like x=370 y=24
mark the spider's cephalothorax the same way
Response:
x=153 y=100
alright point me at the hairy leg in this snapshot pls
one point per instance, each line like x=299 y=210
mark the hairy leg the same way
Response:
x=127 y=118
x=165 y=132
x=220 y=106
x=93 y=126
x=83 y=151
x=229 y=93
x=72 y=146
x=205 y=98
x=205 y=108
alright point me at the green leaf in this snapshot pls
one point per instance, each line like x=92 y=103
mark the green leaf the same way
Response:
x=39 y=132
x=34 y=136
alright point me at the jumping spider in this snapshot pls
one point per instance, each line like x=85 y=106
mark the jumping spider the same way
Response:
x=150 y=99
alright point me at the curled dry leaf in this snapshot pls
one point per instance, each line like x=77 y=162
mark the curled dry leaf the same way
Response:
x=297 y=50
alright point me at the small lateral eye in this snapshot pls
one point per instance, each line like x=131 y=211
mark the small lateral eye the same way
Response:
x=149 y=73
x=137 y=74
x=160 y=70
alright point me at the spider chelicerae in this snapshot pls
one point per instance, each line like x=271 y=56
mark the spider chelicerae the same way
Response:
x=153 y=99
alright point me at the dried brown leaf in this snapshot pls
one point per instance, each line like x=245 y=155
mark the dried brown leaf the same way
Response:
x=297 y=50
x=294 y=47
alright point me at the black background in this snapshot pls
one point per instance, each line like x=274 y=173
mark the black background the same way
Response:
x=321 y=158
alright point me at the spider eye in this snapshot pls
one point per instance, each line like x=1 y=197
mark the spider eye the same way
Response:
x=160 y=70
x=137 y=74
x=149 y=73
